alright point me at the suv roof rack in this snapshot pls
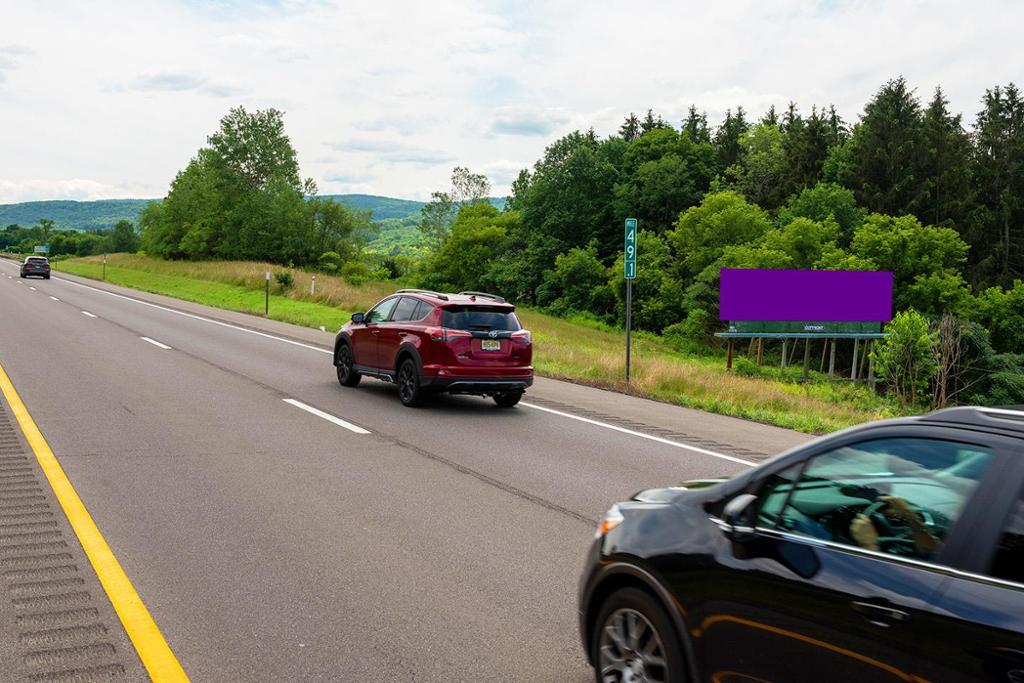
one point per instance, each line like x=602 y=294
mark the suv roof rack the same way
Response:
x=980 y=416
x=428 y=292
x=493 y=297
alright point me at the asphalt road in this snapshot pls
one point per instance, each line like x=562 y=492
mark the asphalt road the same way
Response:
x=272 y=544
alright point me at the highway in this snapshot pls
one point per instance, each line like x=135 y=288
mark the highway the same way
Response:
x=279 y=527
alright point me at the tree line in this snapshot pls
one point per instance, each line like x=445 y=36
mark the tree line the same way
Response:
x=23 y=240
x=905 y=188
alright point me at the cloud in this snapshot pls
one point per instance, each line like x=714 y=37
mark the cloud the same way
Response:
x=179 y=82
x=502 y=172
x=393 y=152
x=10 y=55
x=529 y=121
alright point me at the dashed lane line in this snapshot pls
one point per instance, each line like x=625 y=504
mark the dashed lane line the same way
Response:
x=649 y=437
x=327 y=416
x=154 y=342
x=87 y=313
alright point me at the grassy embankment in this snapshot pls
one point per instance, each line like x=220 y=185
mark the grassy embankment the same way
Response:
x=575 y=350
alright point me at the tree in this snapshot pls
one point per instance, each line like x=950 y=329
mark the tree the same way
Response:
x=946 y=166
x=630 y=128
x=887 y=151
x=124 y=238
x=578 y=283
x=999 y=171
x=469 y=188
x=651 y=122
x=758 y=177
x=45 y=230
x=825 y=201
x=663 y=173
x=727 y=137
x=695 y=126
x=722 y=219
x=478 y=236
x=905 y=360
x=925 y=260
x=252 y=151
x=435 y=220
x=1001 y=312
x=657 y=294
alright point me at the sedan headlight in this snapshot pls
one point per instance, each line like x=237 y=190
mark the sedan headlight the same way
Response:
x=611 y=519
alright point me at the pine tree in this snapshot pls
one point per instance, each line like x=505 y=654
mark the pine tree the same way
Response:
x=652 y=122
x=771 y=118
x=630 y=128
x=727 y=137
x=886 y=154
x=696 y=126
x=946 y=166
x=999 y=174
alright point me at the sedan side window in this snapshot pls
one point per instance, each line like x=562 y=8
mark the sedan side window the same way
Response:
x=1009 y=560
x=381 y=311
x=897 y=496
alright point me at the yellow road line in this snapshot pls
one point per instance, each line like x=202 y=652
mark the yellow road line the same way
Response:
x=153 y=650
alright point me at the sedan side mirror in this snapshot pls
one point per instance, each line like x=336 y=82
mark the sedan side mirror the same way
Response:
x=358 y=317
x=738 y=517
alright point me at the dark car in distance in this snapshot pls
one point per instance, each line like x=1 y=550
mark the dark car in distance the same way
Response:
x=429 y=342
x=36 y=265
x=892 y=551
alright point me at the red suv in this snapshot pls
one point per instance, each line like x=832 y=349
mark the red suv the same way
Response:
x=465 y=343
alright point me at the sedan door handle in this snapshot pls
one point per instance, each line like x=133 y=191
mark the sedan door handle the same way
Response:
x=879 y=614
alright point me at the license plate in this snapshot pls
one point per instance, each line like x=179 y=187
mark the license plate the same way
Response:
x=490 y=345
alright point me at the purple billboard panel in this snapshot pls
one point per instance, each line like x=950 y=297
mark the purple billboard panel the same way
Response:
x=829 y=295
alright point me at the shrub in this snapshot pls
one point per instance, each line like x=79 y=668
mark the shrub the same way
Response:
x=285 y=279
x=906 y=358
x=329 y=261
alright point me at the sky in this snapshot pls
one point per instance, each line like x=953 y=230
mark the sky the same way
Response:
x=106 y=99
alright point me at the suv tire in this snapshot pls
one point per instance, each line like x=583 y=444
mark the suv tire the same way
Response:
x=666 y=661
x=410 y=393
x=347 y=375
x=507 y=399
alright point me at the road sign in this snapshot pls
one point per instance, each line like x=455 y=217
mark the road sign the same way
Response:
x=630 y=261
x=42 y=249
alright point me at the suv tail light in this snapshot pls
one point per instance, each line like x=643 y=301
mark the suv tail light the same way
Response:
x=524 y=335
x=443 y=334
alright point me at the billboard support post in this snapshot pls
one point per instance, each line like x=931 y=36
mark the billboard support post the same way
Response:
x=853 y=370
x=832 y=359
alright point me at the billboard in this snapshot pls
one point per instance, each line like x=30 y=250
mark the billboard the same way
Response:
x=802 y=295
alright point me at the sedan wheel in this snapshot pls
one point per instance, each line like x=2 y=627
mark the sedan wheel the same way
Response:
x=634 y=642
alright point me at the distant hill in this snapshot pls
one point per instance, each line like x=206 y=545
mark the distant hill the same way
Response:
x=105 y=213
x=95 y=215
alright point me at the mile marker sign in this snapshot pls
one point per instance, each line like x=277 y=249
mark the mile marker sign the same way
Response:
x=630 y=261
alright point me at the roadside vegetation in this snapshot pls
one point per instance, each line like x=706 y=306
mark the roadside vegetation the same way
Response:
x=580 y=350
x=907 y=188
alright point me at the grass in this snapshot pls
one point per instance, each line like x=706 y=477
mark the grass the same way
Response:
x=578 y=350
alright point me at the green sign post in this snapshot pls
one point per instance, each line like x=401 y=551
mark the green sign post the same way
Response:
x=629 y=271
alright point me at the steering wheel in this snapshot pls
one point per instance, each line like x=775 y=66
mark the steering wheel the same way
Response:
x=889 y=538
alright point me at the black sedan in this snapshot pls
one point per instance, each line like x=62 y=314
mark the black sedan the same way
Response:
x=892 y=551
x=36 y=265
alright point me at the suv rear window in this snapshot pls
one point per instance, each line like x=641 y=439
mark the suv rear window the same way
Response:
x=479 y=318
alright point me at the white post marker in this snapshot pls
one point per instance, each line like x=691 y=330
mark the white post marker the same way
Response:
x=312 y=286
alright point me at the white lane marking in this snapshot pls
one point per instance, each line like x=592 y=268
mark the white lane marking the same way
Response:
x=32 y=288
x=55 y=298
x=650 y=437
x=88 y=314
x=199 y=317
x=154 y=342
x=20 y=282
x=623 y=430
x=327 y=416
